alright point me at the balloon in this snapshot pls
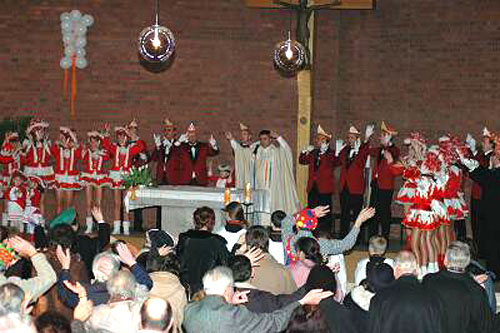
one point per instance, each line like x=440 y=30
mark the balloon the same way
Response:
x=66 y=26
x=65 y=63
x=81 y=63
x=66 y=39
x=69 y=51
x=80 y=52
x=75 y=14
x=80 y=29
x=87 y=20
x=65 y=17
x=81 y=42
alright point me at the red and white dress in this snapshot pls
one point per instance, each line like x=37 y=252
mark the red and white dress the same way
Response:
x=411 y=173
x=94 y=173
x=453 y=197
x=16 y=202
x=32 y=212
x=11 y=162
x=122 y=157
x=67 y=176
x=37 y=161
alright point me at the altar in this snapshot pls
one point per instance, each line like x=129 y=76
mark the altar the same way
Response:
x=179 y=202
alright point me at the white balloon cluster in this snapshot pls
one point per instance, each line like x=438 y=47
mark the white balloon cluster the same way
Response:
x=74 y=29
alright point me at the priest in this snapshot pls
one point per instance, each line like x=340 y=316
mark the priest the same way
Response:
x=243 y=151
x=322 y=162
x=273 y=161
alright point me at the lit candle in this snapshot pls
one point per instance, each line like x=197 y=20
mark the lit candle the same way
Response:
x=227 y=196
x=248 y=193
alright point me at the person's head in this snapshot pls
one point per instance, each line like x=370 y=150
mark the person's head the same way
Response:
x=63 y=235
x=320 y=140
x=104 y=266
x=95 y=143
x=321 y=277
x=385 y=138
x=52 y=322
x=133 y=127
x=224 y=170
x=352 y=138
x=169 y=129
x=245 y=136
x=11 y=299
x=158 y=238
x=204 y=218
x=308 y=248
x=18 y=179
x=405 y=263
x=235 y=211
x=122 y=138
x=191 y=133
x=219 y=281
x=121 y=286
x=377 y=245
x=379 y=276
x=241 y=268
x=258 y=237
x=156 y=263
x=457 y=256
x=277 y=217
x=16 y=323
x=265 y=138
x=487 y=143
x=157 y=315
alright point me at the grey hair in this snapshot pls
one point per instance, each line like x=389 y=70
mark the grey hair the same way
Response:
x=377 y=245
x=216 y=280
x=11 y=299
x=457 y=256
x=113 y=260
x=16 y=323
x=406 y=262
x=122 y=285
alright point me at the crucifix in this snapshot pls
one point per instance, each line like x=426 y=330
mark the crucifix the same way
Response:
x=305 y=10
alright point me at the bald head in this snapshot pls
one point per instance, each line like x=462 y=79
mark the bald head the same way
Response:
x=405 y=263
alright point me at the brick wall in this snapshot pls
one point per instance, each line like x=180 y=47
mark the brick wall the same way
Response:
x=419 y=65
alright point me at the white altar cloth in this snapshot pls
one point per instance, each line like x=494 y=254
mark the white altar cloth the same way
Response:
x=178 y=204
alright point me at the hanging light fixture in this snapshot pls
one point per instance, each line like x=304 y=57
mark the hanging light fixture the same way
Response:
x=156 y=43
x=289 y=56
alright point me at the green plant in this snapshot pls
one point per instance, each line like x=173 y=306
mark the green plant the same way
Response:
x=138 y=176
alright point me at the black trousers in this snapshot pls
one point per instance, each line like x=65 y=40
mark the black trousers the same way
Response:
x=491 y=248
x=475 y=221
x=382 y=201
x=314 y=199
x=349 y=204
x=460 y=229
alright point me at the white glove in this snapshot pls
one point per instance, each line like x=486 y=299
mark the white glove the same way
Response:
x=182 y=138
x=471 y=143
x=213 y=142
x=357 y=145
x=157 y=140
x=308 y=149
x=370 y=129
x=339 y=145
x=471 y=165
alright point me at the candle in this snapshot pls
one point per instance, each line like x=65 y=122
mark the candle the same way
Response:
x=227 y=196
x=248 y=193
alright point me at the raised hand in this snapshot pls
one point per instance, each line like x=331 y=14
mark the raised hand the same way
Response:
x=274 y=135
x=76 y=288
x=364 y=215
x=321 y=211
x=125 y=255
x=315 y=296
x=23 y=247
x=97 y=213
x=229 y=136
x=157 y=140
x=64 y=257
x=240 y=297
x=254 y=255
x=165 y=250
x=370 y=129
x=83 y=310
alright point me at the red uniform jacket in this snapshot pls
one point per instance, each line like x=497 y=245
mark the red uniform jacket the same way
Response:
x=484 y=161
x=382 y=173
x=11 y=162
x=122 y=156
x=198 y=165
x=66 y=164
x=167 y=166
x=321 y=168
x=352 y=169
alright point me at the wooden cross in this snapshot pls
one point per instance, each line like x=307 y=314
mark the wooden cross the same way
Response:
x=305 y=32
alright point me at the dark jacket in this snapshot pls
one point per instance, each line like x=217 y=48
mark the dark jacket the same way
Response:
x=88 y=247
x=464 y=302
x=338 y=318
x=199 y=251
x=358 y=303
x=405 y=306
x=261 y=301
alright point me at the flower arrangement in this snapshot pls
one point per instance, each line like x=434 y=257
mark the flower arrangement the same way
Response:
x=138 y=177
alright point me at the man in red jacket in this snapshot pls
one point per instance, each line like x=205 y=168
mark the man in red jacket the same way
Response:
x=320 y=185
x=164 y=155
x=193 y=156
x=382 y=182
x=483 y=157
x=352 y=179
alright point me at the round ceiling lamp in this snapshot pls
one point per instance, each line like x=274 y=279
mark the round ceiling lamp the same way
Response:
x=289 y=56
x=156 y=42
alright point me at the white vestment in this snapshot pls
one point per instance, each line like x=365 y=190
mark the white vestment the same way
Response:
x=243 y=164
x=274 y=172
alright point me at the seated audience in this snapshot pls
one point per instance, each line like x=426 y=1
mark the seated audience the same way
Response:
x=235 y=226
x=200 y=250
x=154 y=239
x=164 y=270
x=15 y=323
x=377 y=246
x=406 y=304
x=157 y=316
x=219 y=311
x=269 y=275
x=11 y=299
x=309 y=255
x=379 y=276
x=259 y=301
x=465 y=304
x=52 y=322
x=45 y=275
x=276 y=248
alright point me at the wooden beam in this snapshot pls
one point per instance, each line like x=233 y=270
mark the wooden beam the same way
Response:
x=344 y=4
